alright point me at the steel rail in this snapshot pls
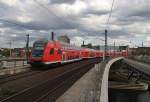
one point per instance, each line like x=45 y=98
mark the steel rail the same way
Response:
x=34 y=92
x=9 y=78
x=51 y=95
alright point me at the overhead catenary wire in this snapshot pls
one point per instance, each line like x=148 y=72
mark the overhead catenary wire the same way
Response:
x=110 y=14
x=90 y=35
x=50 y=12
x=47 y=9
x=14 y=23
x=107 y=26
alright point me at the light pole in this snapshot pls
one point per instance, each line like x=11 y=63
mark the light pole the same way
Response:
x=114 y=47
x=99 y=47
x=106 y=48
x=10 y=44
x=27 y=48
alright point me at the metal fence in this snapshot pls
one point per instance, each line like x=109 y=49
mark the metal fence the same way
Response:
x=142 y=58
x=12 y=63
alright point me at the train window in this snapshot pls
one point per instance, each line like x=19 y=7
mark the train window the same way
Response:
x=59 y=51
x=38 y=50
x=51 y=51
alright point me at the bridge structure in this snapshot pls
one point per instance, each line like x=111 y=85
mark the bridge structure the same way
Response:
x=141 y=69
x=104 y=73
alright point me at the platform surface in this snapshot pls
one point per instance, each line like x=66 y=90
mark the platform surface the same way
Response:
x=84 y=89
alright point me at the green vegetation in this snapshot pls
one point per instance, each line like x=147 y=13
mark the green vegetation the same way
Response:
x=5 y=52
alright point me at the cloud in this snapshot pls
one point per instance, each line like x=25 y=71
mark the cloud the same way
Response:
x=79 y=19
x=10 y=2
x=62 y=1
x=148 y=39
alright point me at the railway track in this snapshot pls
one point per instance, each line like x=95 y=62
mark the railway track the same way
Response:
x=60 y=88
x=49 y=83
x=31 y=72
x=8 y=78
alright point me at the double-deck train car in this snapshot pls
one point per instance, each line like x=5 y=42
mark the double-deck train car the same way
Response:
x=50 y=52
x=46 y=52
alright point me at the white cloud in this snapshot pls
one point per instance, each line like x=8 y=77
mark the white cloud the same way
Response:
x=129 y=19
x=24 y=19
x=148 y=39
x=10 y=2
x=77 y=40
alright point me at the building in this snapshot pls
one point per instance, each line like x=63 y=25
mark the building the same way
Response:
x=102 y=47
x=64 y=38
x=123 y=48
x=89 y=45
x=139 y=51
x=18 y=52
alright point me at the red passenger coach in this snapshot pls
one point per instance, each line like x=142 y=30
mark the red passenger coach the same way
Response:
x=85 y=53
x=50 y=52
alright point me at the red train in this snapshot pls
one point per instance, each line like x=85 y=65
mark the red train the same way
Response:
x=52 y=52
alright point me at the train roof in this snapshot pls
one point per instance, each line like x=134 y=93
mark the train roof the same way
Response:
x=66 y=45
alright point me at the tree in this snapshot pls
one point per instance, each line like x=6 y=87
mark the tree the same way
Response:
x=6 y=52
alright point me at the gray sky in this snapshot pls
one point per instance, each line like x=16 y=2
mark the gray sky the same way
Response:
x=79 y=19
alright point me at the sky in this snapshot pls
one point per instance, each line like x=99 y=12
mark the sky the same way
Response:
x=79 y=19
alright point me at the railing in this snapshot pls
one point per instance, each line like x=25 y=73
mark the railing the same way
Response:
x=92 y=94
x=12 y=62
x=144 y=59
x=104 y=80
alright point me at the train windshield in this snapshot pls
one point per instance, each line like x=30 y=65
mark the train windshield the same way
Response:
x=38 y=50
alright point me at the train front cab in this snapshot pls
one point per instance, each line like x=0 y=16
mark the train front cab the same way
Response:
x=37 y=53
x=45 y=54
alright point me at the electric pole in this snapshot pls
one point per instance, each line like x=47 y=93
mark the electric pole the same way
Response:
x=105 y=44
x=83 y=43
x=142 y=44
x=114 y=47
x=10 y=44
x=27 y=48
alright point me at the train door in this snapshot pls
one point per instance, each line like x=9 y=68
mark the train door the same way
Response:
x=63 y=56
x=59 y=54
x=56 y=54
